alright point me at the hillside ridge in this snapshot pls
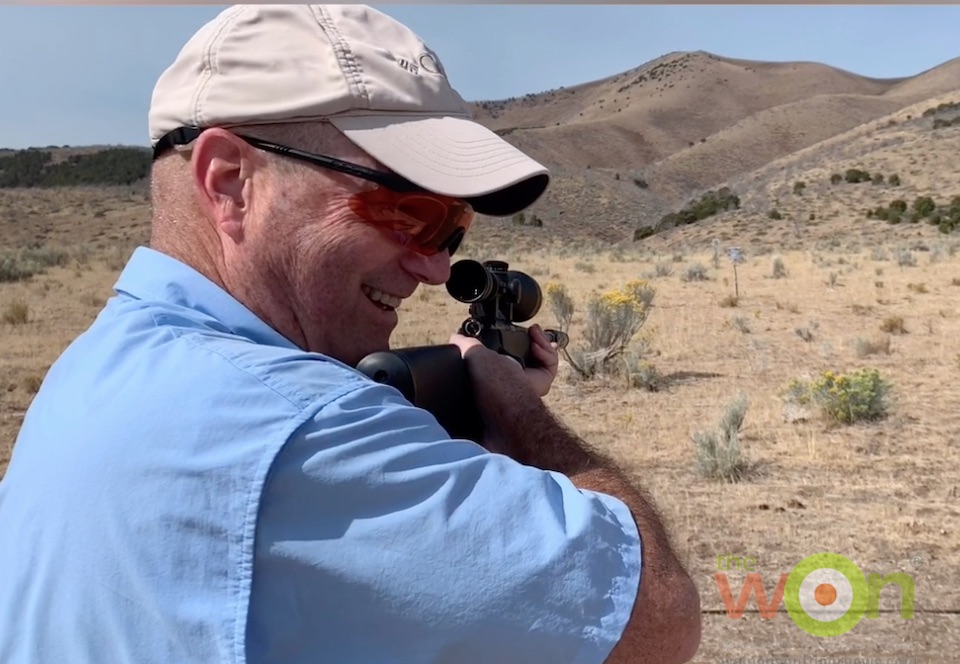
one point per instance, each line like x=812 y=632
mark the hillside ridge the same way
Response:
x=628 y=149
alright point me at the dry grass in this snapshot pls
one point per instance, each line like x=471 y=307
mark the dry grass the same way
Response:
x=61 y=304
x=16 y=313
x=878 y=493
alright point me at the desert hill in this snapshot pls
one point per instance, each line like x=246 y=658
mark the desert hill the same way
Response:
x=805 y=197
x=628 y=149
x=665 y=106
x=684 y=124
x=929 y=83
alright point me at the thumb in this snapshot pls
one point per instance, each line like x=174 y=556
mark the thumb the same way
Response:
x=465 y=343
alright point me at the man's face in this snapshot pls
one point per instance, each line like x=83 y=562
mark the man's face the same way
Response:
x=345 y=279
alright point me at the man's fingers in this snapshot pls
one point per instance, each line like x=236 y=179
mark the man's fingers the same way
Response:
x=545 y=350
x=541 y=338
x=547 y=355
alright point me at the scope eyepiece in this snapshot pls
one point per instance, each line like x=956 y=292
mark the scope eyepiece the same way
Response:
x=495 y=291
x=471 y=282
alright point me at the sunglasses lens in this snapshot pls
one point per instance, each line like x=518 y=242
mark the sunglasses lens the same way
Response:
x=426 y=210
x=434 y=223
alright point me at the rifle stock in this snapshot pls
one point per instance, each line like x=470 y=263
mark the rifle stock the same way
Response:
x=433 y=378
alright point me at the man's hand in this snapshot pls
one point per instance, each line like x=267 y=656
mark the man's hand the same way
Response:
x=541 y=376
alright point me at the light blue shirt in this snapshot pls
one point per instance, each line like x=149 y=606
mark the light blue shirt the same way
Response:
x=188 y=486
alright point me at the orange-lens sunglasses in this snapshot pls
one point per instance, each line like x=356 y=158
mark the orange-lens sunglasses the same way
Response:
x=433 y=222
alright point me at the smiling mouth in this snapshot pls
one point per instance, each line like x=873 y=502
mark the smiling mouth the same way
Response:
x=385 y=301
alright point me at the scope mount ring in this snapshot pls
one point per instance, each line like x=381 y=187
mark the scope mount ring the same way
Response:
x=472 y=327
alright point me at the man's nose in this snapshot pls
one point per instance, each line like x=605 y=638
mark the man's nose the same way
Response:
x=433 y=270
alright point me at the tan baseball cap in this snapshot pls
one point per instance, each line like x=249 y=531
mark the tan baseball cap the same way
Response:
x=365 y=73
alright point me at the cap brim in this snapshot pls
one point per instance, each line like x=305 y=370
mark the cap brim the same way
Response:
x=451 y=156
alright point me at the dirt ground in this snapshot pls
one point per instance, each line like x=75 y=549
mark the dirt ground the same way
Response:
x=882 y=493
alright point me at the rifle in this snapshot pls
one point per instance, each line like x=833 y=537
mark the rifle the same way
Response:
x=435 y=377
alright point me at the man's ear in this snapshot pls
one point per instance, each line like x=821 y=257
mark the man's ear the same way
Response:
x=222 y=167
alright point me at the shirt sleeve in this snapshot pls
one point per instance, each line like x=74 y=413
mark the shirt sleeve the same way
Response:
x=380 y=539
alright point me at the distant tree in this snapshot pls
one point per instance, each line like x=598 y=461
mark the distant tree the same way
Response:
x=112 y=166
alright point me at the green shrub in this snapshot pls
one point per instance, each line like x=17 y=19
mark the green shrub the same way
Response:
x=613 y=319
x=844 y=398
x=581 y=266
x=943 y=106
x=560 y=303
x=640 y=373
x=21 y=264
x=939 y=123
x=643 y=233
x=695 y=272
x=779 y=269
x=856 y=175
x=719 y=454
x=14 y=268
x=708 y=205
x=924 y=206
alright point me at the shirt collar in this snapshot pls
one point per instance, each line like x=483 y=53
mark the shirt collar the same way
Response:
x=152 y=275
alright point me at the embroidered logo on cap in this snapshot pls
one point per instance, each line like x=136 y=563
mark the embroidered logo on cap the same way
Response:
x=430 y=63
x=409 y=66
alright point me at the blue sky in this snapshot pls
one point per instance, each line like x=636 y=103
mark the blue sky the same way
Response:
x=82 y=75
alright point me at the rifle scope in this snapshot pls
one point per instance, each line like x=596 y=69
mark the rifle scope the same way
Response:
x=514 y=296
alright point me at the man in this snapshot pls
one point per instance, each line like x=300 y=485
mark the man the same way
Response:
x=204 y=476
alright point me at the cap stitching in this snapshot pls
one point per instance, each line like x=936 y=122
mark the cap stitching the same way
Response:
x=211 y=67
x=348 y=64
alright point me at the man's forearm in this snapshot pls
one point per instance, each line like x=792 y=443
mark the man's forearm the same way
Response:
x=664 y=626
x=533 y=437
